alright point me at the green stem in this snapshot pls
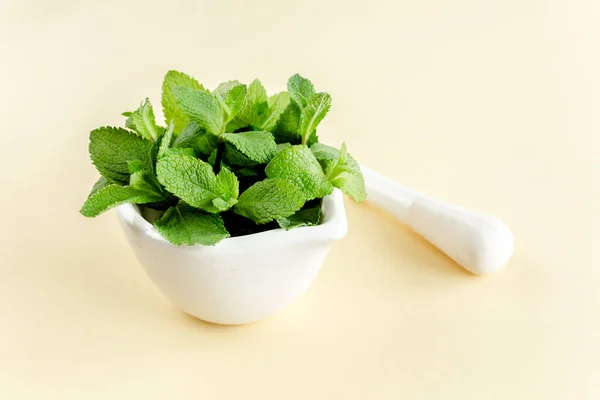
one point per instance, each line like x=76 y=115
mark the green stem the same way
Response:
x=219 y=157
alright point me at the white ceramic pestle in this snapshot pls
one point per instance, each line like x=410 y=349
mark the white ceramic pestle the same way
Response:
x=479 y=243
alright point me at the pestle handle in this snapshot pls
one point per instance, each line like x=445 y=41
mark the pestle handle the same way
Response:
x=478 y=242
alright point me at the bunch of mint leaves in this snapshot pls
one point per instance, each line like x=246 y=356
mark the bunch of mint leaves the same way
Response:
x=229 y=162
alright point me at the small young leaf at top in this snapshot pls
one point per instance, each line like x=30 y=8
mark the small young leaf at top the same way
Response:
x=225 y=87
x=171 y=110
x=257 y=146
x=113 y=195
x=202 y=107
x=312 y=114
x=112 y=148
x=298 y=165
x=143 y=122
x=301 y=90
x=268 y=200
x=165 y=141
x=277 y=105
x=186 y=225
x=254 y=105
x=234 y=100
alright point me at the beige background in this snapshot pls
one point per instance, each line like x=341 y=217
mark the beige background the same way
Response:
x=491 y=105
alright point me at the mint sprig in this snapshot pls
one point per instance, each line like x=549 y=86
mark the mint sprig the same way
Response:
x=231 y=160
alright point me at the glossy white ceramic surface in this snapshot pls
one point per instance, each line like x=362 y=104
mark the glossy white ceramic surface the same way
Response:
x=241 y=279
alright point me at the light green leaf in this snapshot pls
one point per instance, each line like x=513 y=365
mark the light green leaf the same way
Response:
x=101 y=183
x=147 y=182
x=165 y=141
x=225 y=87
x=112 y=148
x=255 y=104
x=301 y=90
x=281 y=146
x=222 y=205
x=143 y=122
x=137 y=165
x=312 y=114
x=257 y=146
x=344 y=172
x=227 y=182
x=325 y=154
x=171 y=109
x=185 y=225
x=304 y=217
x=111 y=196
x=235 y=157
x=186 y=151
x=298 y=165
x=234 y=100
x=268 y=200
x=194 y=181
x=277 y=105
x=196 y=138
x=201 y=107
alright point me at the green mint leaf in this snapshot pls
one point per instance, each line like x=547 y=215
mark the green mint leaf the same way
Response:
x=111 y=196
x=301 y=90
x=201 y=107
x=234 y=100
x=112 y=148
x=222 y=205
x=304 y=217
x=186 y=151
x=171 y=109
x=194 y=181
x=312 y=114
x=135 y=166
x=225 y=87
x=100 y=184
x=298 y=165
x=287 y=126
x=227 y=182
x=268 y=200
x=325 y=154
x=165 y=141
x=185 y=225
x=233 y=156
x=196 y=138
x=257 y=146
x=277 y=105
x=147 y=182
x=143 y=122
x=255 y=104
x=343 y=172
x=281 y=146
